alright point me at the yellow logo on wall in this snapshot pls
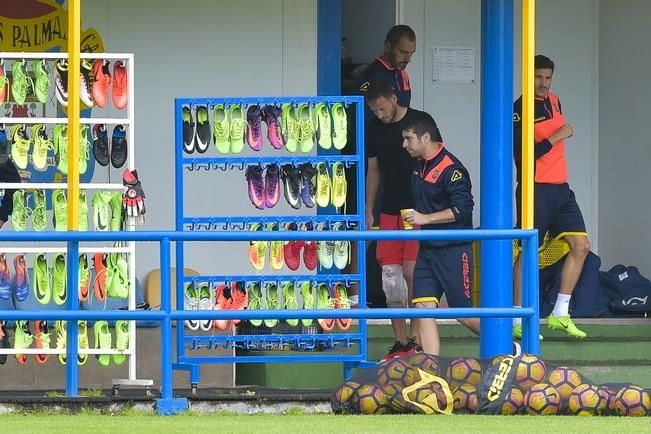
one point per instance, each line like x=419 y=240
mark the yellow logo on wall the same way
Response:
x=33 y=25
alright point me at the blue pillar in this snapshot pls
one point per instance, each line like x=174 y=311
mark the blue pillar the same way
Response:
x=328 y=47
x=496 y=170
x=72 y=329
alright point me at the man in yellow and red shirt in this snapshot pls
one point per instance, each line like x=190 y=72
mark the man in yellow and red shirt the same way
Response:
x=556 y=211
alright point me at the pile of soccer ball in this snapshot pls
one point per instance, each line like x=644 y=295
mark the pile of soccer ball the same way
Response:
x=425 y=384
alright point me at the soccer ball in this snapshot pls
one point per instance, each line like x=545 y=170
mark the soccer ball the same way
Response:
x=608 y=396
x=373 y=399
x=632 y=401
x=426 y=362
x=344 y=400
x=430 y=395
x=542 y=399
x=397 y=371
x=585 y=401
x=530 y=371
x=565 y=380
x=465 y=399
x=466 y=370
x=513 y=402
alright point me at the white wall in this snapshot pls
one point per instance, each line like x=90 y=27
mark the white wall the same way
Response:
x=565 y=32
x=625 y=143
x=203 y=48
x=365 y=24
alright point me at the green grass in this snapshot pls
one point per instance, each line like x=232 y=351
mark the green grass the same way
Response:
x=270 y=424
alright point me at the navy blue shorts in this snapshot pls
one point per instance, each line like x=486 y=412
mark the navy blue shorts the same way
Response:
x=446 y=269
x=556 y=212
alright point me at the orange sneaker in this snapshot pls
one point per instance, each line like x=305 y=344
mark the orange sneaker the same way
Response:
x=223 y=301
x=42 y=340
x=120 y=85
x=102 y=81
x=239 y=298
x=101 y=272
x=342 y=302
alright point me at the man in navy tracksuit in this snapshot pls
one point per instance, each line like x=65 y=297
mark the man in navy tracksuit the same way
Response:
x=443 y=200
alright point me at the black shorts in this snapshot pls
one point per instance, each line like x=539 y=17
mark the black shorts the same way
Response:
x=446 y=269
x=556 y=212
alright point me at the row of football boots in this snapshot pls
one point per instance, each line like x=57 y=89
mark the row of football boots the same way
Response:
x=293 y=127
x=201 y=296
x=299 y=295
x=95 y=82
x=49 y=283
x=328 y=254
x=305 y=184
x=41 y=144
x=40 y=338
x=107 y=210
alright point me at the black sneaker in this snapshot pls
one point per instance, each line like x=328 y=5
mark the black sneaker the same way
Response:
x=204 y=130
x=411 y=347
x=394 y=351
x=4 y=341
x=291 y=177
x=101 y=145
x=61 y=81
x=308 y=184
x=189 y=131
x=119 y=147
x=4 y=146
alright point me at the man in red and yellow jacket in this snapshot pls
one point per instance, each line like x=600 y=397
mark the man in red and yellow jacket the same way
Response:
x=556 y=212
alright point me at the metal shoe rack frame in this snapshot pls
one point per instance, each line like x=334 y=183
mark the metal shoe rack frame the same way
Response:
x=187 y=165
x=129 y=248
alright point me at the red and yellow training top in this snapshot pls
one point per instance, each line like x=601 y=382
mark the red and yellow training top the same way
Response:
x=551 y=167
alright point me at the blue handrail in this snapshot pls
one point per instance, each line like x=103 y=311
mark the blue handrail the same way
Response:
x=166 y=315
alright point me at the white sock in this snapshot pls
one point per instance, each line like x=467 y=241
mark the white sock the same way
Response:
x=562 y=306
x=517 y=321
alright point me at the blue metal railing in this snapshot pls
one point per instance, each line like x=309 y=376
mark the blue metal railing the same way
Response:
x=529 y=311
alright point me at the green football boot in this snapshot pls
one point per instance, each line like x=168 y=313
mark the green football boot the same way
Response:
x=21 y=82
x=39 y=214
x=565 y=324
x=42 y=77
x=59 y=291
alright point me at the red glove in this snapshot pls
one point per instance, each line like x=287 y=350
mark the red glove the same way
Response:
x=133 y=200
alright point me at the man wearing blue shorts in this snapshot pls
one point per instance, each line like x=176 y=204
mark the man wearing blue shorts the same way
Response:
x=443 y=200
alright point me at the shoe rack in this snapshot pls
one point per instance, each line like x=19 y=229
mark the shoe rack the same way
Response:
x=189 y=163
x=124 y=117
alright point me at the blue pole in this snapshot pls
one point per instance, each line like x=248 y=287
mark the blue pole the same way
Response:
x=166 y=324
x=178 y=152
x=72 y=303
x=361 y=204
x=496 y=170
x=531 y=325
x=328 y=47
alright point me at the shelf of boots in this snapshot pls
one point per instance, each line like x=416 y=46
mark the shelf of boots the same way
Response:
x=34 y=351
x=272 y=278
x=58 y=186
x=235 y=163
x=278 y=101
x=241 y=223
x=62 y=55
x=62 y=121
x=273 y=342
x=64 y=249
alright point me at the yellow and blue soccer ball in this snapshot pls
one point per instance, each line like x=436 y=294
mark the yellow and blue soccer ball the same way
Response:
x=531 y=370
x=585 y=400
x=542 y=399
x=464 y=370
x=465 y=399
x=373 y=399
x=632 y=401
